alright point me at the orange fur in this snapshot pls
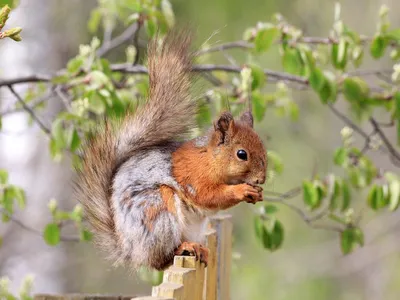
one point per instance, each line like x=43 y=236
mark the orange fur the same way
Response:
x=211 y=169
x=151 y=214
x=167 y=195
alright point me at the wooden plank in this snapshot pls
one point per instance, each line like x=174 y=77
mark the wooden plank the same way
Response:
x=81 y=297
x=192 y=276
x=223 y=226
x=169 y=289
x=151 y=298
x=210 y=285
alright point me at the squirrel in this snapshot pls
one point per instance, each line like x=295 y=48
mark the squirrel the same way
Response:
x=147 y=191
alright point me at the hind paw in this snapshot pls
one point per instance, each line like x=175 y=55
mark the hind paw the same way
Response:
x=193 y=249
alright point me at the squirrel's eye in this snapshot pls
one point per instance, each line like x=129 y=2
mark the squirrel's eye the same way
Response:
x=241 y=154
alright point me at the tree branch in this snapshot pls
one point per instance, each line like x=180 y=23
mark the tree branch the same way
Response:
x=226 y=46
x=393 y=152
x=139 y=69
x=26 y=79
x=302 y=40
x=309 y=220
x=34 y=230
x=349 y=122
x=119 y=40
x=30 y=111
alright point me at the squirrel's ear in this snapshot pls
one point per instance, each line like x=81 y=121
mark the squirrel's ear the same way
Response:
x=224 y=128
x=247 y=118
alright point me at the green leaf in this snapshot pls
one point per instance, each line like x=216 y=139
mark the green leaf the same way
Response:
x=60 y=215
x=322 y=85
x=375 y=198
x=94 y=20
x=58 y=133
x=19 y=195
x=394 y=34
x=293 y=111
x=265 y=38
x=259 y=106
x=349 y=238
x=96 y=102
x=346 y=196
x=204 y=114
x=3 y=176
x=321 y=192
x=378 y=46
x=355 y=89
x=270 y=209
x=397 y=114
x=258 y=76
x=310 y=195
x=258 y=227
x=8 y=200
x=339 y=54
x=317 y=80
x=55 y=151
x=341 y=157
x=276 y=235
x=357 y=56
x=151 y=27
x=266 y=238
x=86 y=235
x=10 y=3
x=394 y=195
x=336 y=191
x=308 y=60
x=74 y=140
x=52 y=234
x=168 y=12
x=74 y=65
x=292 y=62
x=98 y=80
x=276 y=161
x=60 y=79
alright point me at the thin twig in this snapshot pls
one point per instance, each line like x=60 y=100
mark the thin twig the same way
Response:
x=25 y=79
x=136 y=42
x=305 y=40
x=34 y=230
x=349 y=122
x=393 y=152
x=30 y=112
x=307 y=219
x=139 y=69
x=119 y=40
x=226 y=46
x=38 y=101
x=236 y=69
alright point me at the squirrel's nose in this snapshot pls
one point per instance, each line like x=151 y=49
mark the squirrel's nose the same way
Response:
x=261 y=179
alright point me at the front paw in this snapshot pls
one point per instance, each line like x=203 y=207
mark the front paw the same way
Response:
x=248 y=193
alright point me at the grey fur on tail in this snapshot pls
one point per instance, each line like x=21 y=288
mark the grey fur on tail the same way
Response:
x=167 y=115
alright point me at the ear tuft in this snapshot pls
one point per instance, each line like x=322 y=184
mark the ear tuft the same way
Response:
x=224 y=122
x=224 y=127
x=247 y=118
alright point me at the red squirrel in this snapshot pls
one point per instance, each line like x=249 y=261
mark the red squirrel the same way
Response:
x=146 y=191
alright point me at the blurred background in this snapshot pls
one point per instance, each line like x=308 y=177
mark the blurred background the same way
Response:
x=310 y=264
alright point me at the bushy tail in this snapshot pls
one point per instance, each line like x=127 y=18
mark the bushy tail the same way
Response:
x=168 y=114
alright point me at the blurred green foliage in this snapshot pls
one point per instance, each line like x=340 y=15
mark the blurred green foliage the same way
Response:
x=331 y=68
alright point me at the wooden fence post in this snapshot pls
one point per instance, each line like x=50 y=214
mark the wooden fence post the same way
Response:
x=223 y=226
x=187 y=279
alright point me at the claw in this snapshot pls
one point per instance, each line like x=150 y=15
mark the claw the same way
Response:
x=193 y=249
